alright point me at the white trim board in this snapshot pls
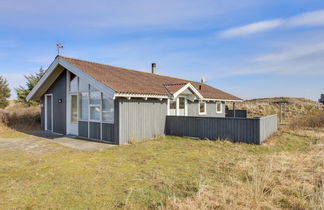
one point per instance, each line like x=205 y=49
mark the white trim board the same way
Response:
x=78 y=72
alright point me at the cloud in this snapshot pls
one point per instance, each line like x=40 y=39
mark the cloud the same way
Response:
x=314 y=18
x=251 y=28
x=297 y=60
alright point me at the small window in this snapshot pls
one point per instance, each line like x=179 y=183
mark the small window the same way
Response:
x=202 y=107
x=173 y=104
x=218 y=107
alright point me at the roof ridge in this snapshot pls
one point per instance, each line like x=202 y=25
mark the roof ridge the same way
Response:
x=140 y=71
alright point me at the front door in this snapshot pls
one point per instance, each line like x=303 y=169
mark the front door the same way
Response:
x=49 y=112
x=73 y=118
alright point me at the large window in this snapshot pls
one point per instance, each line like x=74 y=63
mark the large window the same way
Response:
x=218 y=107
x=202 y=107
x=107 y=109
x=84 y=106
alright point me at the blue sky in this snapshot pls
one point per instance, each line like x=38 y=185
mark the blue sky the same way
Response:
x=251 y=48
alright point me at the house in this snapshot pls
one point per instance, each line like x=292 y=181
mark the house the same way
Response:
x=116 y=105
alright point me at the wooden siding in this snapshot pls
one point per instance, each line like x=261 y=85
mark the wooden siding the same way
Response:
x=58 y=89
x=248 y=130
x=108 y=132
x=141 y=119
x=238 y=113
x=268 y=125
x=83 y=129
x=210 y=108
x=94 y=130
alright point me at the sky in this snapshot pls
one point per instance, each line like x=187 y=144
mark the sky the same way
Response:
x=250 y=48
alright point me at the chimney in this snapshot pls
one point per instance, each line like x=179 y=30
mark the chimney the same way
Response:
x=153 y=68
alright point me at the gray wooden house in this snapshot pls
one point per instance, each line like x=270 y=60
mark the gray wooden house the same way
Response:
x=116 y=105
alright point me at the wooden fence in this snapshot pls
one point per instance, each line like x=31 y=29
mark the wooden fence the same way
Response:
x=248 y=130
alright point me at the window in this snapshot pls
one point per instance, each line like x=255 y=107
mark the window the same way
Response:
x=83 y=86
x=181 y=103
x=95 y=98
x=84 y=106
x=173 y=104
x=73 y=83
x=95 y=113
x=202 y=107
x=74 y=108
x=218 y=107
x=107 y=109
x=95 y=105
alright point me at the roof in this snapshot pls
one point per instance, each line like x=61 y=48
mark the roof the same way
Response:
x=127 y=81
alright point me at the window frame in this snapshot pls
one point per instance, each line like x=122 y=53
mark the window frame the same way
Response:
x=221 y=107
x=205 y=108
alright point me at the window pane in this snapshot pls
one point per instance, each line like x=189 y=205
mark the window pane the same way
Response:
x=173 y=104
x=74 y=109
x=201 y=107
x=218 y=107
x=95 y=113
x=95 y=98
x=74 y=84
x=84 y=106
x=181 y=103
x=107 y=109
x=83 y=86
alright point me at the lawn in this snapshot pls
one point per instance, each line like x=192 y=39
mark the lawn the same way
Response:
x=171 y=172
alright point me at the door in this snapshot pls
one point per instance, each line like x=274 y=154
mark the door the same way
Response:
x=49 y=112
x=73 y=118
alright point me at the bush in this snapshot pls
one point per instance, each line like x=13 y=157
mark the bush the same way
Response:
x=21 y=118
x=316 y=121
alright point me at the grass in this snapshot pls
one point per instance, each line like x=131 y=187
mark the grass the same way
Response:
x=6 y=132
x=170 y=173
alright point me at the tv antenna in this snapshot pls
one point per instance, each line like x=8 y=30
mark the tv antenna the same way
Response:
x=58 y=47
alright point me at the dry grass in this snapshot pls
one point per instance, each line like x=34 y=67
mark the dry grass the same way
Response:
x=315 y=121
x=20 y=117
x=297 y=107
x=275 y=181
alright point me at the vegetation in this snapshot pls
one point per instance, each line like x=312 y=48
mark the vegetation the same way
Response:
x=23 y=92
x=296 y=108
x=20 y=117
x=285 y=172
x=4 y=93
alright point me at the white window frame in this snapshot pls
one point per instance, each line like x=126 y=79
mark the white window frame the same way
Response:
x=221 y=108
x=205 y=104
x=177 y=106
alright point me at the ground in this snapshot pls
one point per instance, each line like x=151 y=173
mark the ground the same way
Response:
x=170 y=172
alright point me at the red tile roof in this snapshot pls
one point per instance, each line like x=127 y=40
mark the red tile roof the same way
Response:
x=128 y=81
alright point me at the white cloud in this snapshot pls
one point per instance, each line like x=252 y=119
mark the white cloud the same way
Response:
x=251 y=28
x=314 y=18
x=297 y=60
